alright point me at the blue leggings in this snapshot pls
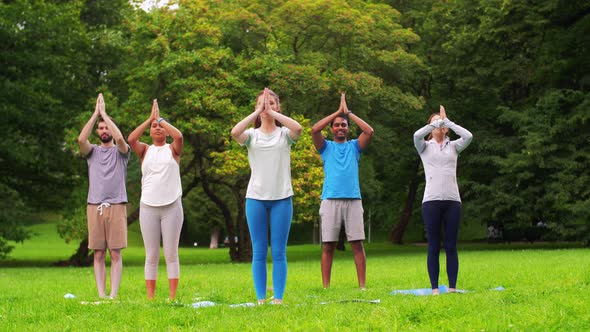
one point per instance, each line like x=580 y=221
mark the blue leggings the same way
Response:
x=278 y=214
x=439 y=216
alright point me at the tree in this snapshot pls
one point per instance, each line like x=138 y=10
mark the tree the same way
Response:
x=206 y=62
x=514 y=72
x=42 y=83
x=104 y=25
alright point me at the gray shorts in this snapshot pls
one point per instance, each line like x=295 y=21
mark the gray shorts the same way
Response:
x=335 y=212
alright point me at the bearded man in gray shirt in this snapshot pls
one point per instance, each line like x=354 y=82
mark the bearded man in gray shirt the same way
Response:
x=107 y=196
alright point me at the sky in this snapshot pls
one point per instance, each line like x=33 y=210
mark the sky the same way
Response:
x=149 y=4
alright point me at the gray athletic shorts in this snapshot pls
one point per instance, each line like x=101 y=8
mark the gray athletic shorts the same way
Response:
x=335 y=212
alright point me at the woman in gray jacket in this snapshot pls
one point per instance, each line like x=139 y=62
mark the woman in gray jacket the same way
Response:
x=441 y=205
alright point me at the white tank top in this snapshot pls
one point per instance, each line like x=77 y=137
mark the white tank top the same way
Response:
x=160 y=181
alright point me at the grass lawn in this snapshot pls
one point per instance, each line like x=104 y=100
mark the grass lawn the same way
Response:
x=545 y=289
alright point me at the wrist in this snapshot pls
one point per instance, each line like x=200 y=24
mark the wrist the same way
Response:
x=160 y=120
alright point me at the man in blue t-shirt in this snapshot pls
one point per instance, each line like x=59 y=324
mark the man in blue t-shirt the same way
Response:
x=341 y=194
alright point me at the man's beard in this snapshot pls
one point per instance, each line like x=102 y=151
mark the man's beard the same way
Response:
x=340 y=136
x=106 y=139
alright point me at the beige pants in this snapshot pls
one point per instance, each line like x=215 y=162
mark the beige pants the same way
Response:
x=161 y=222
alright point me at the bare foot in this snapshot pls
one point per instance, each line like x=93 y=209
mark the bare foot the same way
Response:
x=435 y=291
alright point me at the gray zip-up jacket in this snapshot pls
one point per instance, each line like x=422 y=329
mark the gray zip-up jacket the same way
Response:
x=440 y=160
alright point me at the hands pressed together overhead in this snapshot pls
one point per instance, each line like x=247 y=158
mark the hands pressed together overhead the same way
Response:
x=155 y=115
x=263 y=104
x=343 y=107
x=100 y=108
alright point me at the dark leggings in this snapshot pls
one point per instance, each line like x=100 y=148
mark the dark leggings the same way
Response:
x=439 y=216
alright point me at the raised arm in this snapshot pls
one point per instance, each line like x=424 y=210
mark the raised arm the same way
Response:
x=365 y=137
x=419 y=136
x=117 y=136
x=177 y=139
x=138 y=147
x=465 y=136
x=316 y=130
x=85 y=146
x=238 y=131
x=295 y=128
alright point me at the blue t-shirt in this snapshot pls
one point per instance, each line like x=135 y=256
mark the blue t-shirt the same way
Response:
x=341 y=170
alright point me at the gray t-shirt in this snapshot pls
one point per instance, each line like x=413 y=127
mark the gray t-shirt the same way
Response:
x=107 y=173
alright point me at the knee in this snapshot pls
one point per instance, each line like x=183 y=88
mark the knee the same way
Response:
x=171 y=258
x=152 y=259
x=329 y=248
x=99 y=256
x=115 y=256
x=259 y=255
x=433 y=248
x=451 y=248
x=279 y=255
x=357 y=246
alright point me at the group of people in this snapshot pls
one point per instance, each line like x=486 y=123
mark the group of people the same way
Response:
x=269 y=204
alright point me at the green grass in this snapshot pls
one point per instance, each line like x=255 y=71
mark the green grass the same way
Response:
x=546 y=289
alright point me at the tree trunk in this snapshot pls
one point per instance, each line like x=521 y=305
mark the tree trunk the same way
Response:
x=397 y=233
x=214 y=242
x=316 y=233
x=84 y=256
x=244 y=240
x=242 y=250
x=81 y=257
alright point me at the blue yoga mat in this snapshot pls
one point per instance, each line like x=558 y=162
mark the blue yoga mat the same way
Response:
x=424 y=291
x=427 y=291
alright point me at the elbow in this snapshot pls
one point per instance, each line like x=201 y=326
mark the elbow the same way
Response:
x=235 y=134
x=121 y=140
x=417 y=135
x=179 y=138
x=298 y=130
x=370 y=131
x=316 y=129
x=131 y=139
x=468 y=136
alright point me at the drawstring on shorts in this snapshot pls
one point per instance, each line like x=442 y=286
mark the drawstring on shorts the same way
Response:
x=101 y=206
